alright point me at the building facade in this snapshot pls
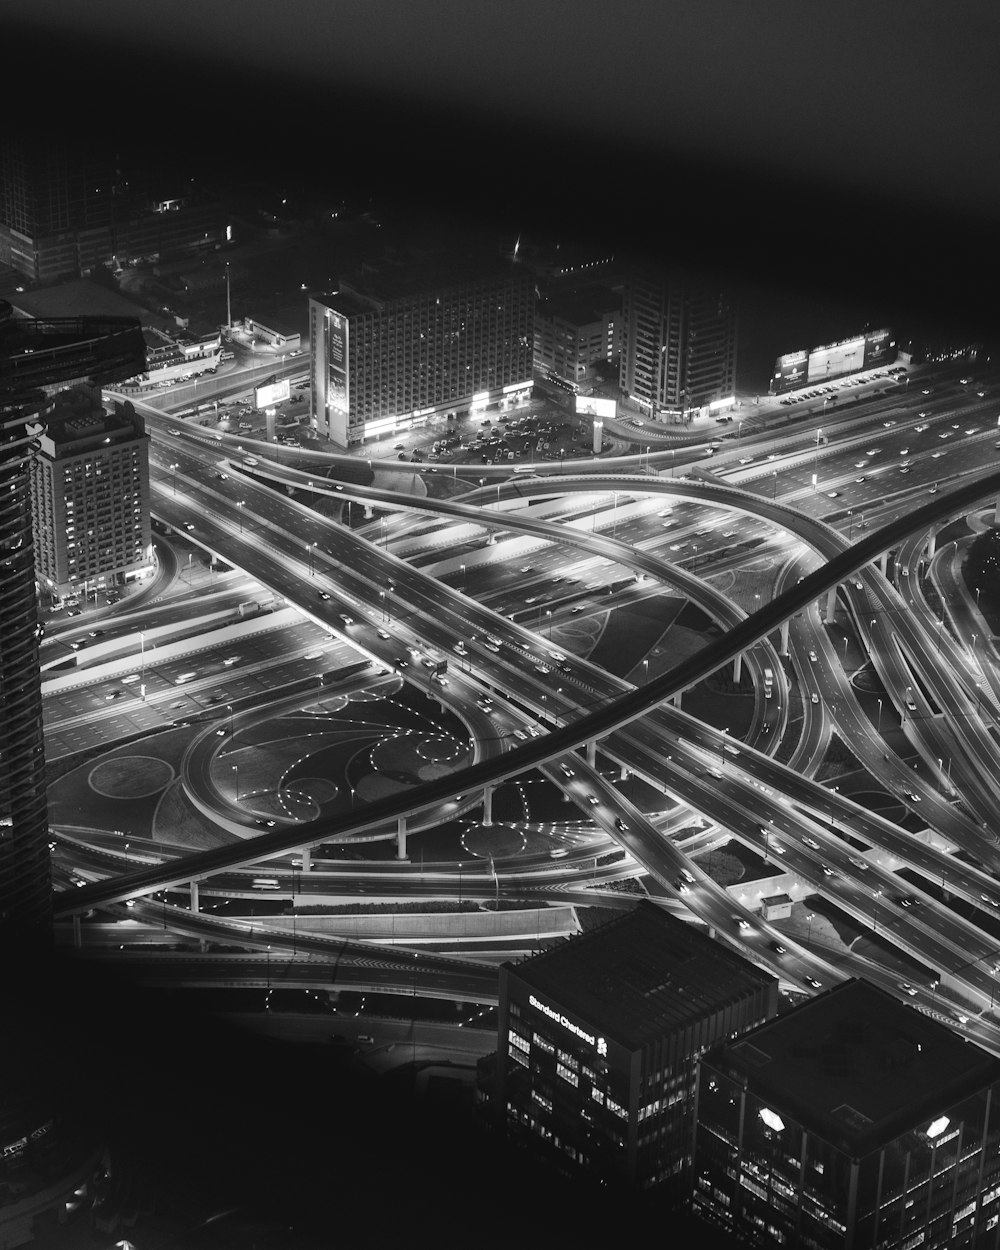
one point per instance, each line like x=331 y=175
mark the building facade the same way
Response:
x=37 y=358
x=90 y=494
x=599 y=1040
x=679 y=342
x=402 y=342
x=575 y=331
x=850 y=1122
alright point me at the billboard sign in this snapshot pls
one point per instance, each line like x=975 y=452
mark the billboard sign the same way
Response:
x=880 y=348
x=595 y=406
x=789 y=372
x=270 y=394
x=836 y=360
x=337 y=337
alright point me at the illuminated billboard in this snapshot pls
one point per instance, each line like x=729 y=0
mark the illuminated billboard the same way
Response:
x=272 y=393
x=836 y=360
x=337 y=337
x=880 y=348
x=594 y=406
x=789 y=372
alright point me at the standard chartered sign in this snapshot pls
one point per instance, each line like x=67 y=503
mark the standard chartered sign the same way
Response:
x=559 y=1018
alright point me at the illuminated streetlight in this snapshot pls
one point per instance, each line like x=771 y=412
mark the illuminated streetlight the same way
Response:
x=312 y=566
x=878 y=727
x=173 y=469
x=241 y=504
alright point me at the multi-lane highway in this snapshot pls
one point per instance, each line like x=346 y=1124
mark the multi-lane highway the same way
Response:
x=392 y=604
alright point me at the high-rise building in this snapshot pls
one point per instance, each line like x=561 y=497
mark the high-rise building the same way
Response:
x=404 y=341
x=90 y=493
x=850 y=1121
x=679 y=342
x=57 y=204
x=599 y=1038
x=577 y=330
x=37 y=358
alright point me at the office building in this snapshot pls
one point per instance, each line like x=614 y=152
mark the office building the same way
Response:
x=90 y=494
x=679 y=343
x=851 y=1121
x=407 y=340
x=57 y=204
x=575 y=331
x=65 y=210
x=37 y=358
x=599 y=1040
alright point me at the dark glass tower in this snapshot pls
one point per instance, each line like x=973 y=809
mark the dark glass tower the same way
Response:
x=37 y=358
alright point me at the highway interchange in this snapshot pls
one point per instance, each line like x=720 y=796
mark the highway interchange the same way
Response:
x=823 y=499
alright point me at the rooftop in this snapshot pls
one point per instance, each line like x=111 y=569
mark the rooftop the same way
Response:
x=857 y=1067
x=582 y=307
x=397 y=278
x=642 y=976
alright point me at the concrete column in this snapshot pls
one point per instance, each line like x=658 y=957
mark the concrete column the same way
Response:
x=883 y=563
x=592 y=753
x=738 y=667
x=488 y=805
x=401 y=837
x=676 y=699
x=622 y=773
x=784 y=637
x=831 y=605
x=77 y=930
x=932 y=544
x=194 y=895
x=369 y=512
x=306 y=854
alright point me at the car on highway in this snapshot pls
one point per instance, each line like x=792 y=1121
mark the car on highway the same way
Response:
x=132 y=677
x=114 y=694
x=620 y=825
x=230 y=660
x=323 y=594
x=814 y=697
x=777 y=948
x=907 y=988
x=906 y=900
x=593 y=800
x=566 y=770
x=813 y=656
x=827 y=870
x=811 y=842
x=811 y=981
x=914 y=798
x=872 y=451
x=741 y=923
x=382 y=633
x=833 y=494
x=858 y=863
x=860 y=479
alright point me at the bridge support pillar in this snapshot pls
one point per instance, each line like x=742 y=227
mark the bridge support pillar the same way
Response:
x=738 y=667
x=676 y=698
x=401 y=837
x=831 y=605
x=932 y=544
x=194 y=895
x=784 y=638
x=77 y=930
x=622 y=773
x=306 y=854
x=369 y=511
x=883 y=563
x=592 y=752
x=488 y=805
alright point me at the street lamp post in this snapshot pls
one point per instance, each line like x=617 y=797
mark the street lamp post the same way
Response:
x=236 y=778
x=241 y=504
x=722 y=746
x=312 y=566
x=173 y=469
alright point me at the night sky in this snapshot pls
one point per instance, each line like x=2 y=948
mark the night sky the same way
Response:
x=847 y=151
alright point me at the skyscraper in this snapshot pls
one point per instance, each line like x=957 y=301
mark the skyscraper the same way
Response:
x=599 y=1038
x=90 y=493
x=850 y=1121
x=679 y=341
x=37 y=358
x=57 y=202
